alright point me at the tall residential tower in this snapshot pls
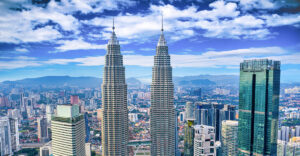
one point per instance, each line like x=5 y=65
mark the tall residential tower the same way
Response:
x=258 y=107
x=68 y=131
x=114 y=102
x=229 y=137
x=162 y=111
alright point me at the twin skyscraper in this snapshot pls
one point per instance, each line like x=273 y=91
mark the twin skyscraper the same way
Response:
x=258 y=105
x=114 y=102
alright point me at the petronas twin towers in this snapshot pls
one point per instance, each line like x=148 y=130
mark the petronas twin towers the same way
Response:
x=114 y=103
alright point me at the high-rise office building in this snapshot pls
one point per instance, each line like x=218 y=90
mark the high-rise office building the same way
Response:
x=281 y=148
x=284 y=133
x=189 y=134
x=258 y=107
x=297 y=129
x=228 y=112
x=88 y=149
x=213 y=115
x=229 y=137
x=190 y=110
x=42 y=127
x=5 y=137
x=68 y=131
x=49 y=112
x=87 y=127
x=162 y=111
x=204 y=141
x=217 y=120
x=291 y=148
x=114 y=102
x=177 y=152
x=204 y=114
x=74 y=99
x=46 y=149
x=14 y=129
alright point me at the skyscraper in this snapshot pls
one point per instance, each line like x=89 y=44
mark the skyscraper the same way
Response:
x=189 y=134
x=229 y=137
x=42 y=129
x=5 y=137
x=291 y=148
x=258 y=107
x=14 y=129
x=284 y=133
x=68 y=131
x=213 y=115
x=190 y=110
x=49 y=112
x=204 y=114
x=114 y=102
x=162 y=111
x=204 y=141
x=74 y=99
x=87 y=127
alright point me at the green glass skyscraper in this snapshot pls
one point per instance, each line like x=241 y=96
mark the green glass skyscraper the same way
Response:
x=258 y=107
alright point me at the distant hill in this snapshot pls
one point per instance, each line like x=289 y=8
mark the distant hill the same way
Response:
x=207 y=80
x=61 y=81
x=57 y=81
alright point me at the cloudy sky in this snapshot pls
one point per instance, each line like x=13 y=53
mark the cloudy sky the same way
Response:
x=69 y=37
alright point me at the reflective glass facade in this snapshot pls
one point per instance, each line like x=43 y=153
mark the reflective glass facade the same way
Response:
x=258 y=107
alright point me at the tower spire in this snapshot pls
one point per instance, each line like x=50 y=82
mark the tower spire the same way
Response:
x=113 y=27
x=162 y=41
x=162 y=22
x=113 y=38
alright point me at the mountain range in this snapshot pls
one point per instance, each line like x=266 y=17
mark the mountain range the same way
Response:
x=92 y=82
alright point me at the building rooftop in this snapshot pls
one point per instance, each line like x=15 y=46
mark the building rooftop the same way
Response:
x=259 y=65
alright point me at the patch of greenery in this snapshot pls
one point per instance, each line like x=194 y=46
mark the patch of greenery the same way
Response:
x=28 y=151
x=290 y=122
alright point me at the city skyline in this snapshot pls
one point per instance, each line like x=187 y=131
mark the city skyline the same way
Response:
x=207 y=37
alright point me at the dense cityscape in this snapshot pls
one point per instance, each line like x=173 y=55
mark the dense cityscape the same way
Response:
x=255 y=112
x=206 y=120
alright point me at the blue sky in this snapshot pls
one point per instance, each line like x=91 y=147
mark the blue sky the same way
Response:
x=69 y=37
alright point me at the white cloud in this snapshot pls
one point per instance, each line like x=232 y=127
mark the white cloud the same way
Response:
x=258 y=4
x=142 y=26
x=246 y=52
x=85 y=61
x=28 y=25
x=281 y=20
x=147 y=49
x=128 y=52
x=77 y=45
x=21 y=50
x=18 y=62
x=211 y=59
x=222 y=20
x=248 y=21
